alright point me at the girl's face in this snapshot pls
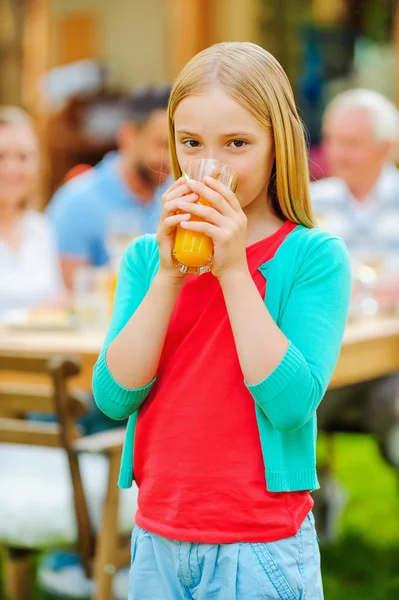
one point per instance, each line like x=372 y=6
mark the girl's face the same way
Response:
x=213 y=125
x=19 y=163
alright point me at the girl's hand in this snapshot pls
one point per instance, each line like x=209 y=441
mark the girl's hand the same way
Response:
x=224 y=222
x=168 y=223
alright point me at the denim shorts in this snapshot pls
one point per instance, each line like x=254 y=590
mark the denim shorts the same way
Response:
x=164 y=569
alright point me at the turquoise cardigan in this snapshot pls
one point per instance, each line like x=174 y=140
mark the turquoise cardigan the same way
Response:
x=308 y=293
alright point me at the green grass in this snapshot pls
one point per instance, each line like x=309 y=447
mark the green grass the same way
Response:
x=364 y=562
x=356 y=570
x=373 y=487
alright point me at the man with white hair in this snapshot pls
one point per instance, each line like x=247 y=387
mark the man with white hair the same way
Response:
x=360 y=203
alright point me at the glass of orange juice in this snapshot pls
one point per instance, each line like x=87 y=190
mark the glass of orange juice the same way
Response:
x=122 y=227
x=193 y=251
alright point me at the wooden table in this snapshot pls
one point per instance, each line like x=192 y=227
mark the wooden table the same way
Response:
x=85 y=345
x=370 y=349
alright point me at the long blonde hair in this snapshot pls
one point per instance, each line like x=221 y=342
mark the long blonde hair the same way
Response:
x=14 y=115
x=256 y=80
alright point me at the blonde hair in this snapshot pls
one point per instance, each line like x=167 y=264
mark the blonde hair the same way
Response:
x=256 y=80
x=14 y=115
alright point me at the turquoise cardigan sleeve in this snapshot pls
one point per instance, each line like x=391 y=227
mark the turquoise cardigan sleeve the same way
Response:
x=114 y=400
x=313 y=320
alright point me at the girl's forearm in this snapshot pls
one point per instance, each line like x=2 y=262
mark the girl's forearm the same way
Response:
x=260 y=344
x=133 y=356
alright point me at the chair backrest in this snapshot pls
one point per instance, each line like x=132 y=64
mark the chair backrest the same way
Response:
x=21 y=395
x=18 y=398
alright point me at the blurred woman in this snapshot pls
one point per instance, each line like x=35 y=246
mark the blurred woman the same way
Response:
x=29 y=270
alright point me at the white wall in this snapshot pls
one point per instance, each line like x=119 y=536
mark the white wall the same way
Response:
x=133 y=41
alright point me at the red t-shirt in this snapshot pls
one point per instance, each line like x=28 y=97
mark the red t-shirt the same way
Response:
x=197 y=458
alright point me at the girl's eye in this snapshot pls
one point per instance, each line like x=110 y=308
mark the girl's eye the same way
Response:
x=238 y=143
x=191 y=143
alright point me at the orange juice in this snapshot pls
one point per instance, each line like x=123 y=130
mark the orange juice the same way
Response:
x=113 y=278
x=192 y=249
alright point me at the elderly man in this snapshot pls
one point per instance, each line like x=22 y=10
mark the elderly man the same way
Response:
x=360 y=203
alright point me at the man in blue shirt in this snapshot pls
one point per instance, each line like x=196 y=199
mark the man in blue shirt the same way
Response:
x=124 y=189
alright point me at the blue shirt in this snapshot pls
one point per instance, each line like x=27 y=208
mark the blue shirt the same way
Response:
x=84 y=210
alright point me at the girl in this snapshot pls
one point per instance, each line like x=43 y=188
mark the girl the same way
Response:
x=29 y=269
x=222 y=374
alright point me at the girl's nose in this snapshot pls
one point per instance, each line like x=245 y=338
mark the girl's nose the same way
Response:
x=213 y=155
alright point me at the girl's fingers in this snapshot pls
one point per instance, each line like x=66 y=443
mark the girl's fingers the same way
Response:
x=224 y=191
x=175 y=184
x=173 y=205
x=216 y=233
x=213 y=197
x=200 y=210
x=178 y=192
x=178 y=188
x=171 y=222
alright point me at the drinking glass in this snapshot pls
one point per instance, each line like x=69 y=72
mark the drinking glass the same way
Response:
x=90 y=300
x=123 y=226
x=193 y=251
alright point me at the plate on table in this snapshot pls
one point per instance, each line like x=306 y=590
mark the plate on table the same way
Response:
x=43 y=319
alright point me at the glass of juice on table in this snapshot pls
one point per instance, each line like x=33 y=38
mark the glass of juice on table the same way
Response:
x=193 y=251
x=122 y=227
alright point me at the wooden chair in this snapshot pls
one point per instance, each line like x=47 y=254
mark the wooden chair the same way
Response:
x=102 y=550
